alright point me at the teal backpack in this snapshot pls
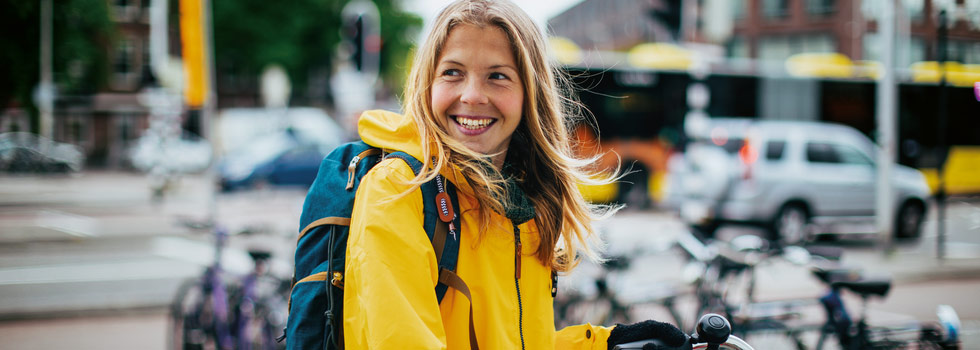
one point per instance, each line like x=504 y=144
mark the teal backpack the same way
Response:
x=316 y=302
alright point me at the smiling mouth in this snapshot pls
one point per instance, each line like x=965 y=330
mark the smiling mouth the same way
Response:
x=473 y=123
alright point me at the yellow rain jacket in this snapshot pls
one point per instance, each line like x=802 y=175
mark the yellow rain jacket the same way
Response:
x=391 y=271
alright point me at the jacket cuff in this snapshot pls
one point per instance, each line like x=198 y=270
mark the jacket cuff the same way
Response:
x=583 y=337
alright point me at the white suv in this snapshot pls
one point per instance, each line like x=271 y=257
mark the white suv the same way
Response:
x=795 y=178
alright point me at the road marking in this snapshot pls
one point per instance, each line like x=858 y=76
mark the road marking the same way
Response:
x=170 y=257
x=72 y=224
x=146 y=269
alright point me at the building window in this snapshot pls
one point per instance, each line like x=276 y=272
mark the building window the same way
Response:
x=820 y=8
x=145 y=10
x=967 y=52
x=915 y=9
x=774 y=9
x=738 y=9
x=124 y=72
x=906 y=52
x=74 y=130
x=124 y=10
x=738 y=47
x=778 y=48
x=126 y=128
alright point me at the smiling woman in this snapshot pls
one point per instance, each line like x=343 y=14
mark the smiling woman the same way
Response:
x=487 y=121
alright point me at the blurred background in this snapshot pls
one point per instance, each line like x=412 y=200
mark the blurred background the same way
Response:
x=133 y=132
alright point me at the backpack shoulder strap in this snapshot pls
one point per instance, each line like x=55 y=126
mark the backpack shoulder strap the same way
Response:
x=441 y=221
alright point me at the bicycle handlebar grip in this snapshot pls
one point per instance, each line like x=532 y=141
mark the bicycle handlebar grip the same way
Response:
x=712 y=329
x=652 y=344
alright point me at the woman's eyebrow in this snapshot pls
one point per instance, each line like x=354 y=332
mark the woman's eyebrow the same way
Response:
x=451 y=62
x=498 y=66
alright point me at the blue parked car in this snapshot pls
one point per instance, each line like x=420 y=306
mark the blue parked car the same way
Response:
x=286 y=157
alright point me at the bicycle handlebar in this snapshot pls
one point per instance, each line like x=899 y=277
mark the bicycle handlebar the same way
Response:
x=713 y=332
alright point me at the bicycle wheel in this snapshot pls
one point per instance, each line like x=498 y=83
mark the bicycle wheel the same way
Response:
x=260 y=314
x=931 y=338
x=190 y=315
x=775 y=338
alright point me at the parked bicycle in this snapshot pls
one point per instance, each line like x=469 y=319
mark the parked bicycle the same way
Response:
x=728 y=269
x=766 y=322
x=713 y=332
x=840 y=329
x=218 y=311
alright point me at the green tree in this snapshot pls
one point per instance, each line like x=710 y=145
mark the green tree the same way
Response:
x=302 y=36
x=81 y=30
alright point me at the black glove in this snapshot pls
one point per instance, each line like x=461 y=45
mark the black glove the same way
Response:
x=649 y=329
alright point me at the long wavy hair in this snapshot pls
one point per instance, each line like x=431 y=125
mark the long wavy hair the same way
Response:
x=541 y=147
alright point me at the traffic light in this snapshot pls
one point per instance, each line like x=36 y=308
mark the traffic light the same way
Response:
x=361 y=31
x=668 y=14
x=354 y=32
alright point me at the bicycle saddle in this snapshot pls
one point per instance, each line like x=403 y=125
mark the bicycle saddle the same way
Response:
x=831 y=275
x=827 y=252
x=866 y=288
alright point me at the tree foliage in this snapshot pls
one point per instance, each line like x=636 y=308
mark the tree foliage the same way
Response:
x=81 y=30
x=300 y=35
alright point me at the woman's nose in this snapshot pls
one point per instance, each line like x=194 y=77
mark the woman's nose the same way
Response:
x=473 y=93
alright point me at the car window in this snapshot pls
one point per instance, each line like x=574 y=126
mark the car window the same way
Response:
x=774 y=150
x=733 y=145
x=819 y=152
x=850 y=155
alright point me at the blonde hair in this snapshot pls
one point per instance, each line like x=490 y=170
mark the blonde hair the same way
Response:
x=549 y=173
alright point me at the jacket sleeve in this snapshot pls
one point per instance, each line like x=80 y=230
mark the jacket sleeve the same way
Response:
x=582 y=337
x=390 y=271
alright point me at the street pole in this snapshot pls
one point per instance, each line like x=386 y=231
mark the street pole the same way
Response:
x=46 y=87
x=886 y=127
x=941 y=142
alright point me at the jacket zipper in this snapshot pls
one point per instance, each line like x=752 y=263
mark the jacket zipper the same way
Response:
x=517 y=277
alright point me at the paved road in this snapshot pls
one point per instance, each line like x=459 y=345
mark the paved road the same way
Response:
x=97 y=241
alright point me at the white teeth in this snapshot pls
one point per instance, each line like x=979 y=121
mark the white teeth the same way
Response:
x=473 y=124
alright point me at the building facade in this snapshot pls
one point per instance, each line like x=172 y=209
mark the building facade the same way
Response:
x=777 y=29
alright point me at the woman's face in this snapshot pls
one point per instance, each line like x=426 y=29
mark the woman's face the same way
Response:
x=477 y=92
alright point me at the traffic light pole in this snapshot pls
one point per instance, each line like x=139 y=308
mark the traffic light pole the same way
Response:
x=941 y=142
x=886 y=116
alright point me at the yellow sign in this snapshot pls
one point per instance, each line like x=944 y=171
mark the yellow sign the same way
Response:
x=194 y=52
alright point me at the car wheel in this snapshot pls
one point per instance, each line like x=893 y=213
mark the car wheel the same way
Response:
x=790 y=224
x=908 y=221
x=707 y=229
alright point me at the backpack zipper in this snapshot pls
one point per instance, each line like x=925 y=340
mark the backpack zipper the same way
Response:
x=351 y=169
x=352 y=166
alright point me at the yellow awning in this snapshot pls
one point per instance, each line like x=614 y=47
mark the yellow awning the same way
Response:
x=660 y=56
x=565 y=50
x=825 y=65
x=957 y=74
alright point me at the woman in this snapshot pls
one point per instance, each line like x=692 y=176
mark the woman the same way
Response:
x=484 y=110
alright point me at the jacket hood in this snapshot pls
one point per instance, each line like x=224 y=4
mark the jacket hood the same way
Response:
x=391 y=131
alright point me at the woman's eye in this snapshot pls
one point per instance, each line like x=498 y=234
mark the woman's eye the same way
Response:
x=498 y=76
x=452 y=72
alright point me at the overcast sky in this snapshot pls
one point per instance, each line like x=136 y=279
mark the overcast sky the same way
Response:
x=539 y=10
